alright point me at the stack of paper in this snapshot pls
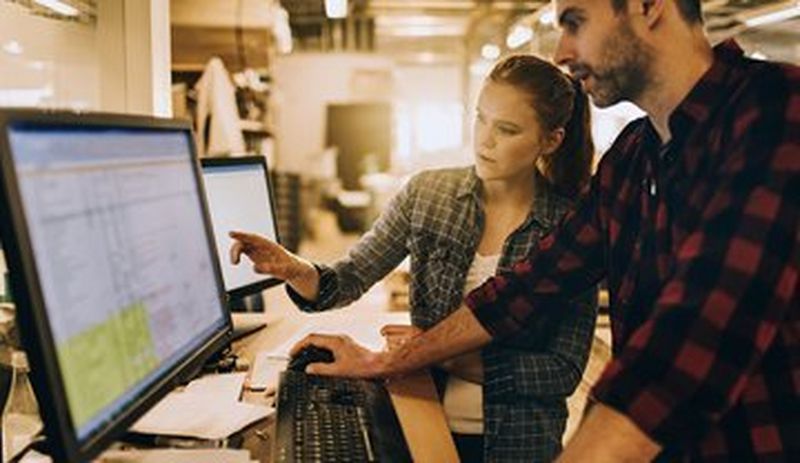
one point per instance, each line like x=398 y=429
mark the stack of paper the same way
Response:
x=208 y=408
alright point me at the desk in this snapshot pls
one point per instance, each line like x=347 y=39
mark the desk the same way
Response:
x=414 y=397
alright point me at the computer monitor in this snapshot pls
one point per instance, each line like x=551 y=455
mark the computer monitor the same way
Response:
x=239 y=197
x=119 y=295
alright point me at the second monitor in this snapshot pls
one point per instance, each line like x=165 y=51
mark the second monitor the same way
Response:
x=239 y=197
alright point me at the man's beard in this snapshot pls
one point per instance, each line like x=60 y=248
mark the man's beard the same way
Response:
x=624 y=70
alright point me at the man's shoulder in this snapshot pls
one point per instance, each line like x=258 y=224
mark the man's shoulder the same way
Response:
x=764 y=108
x=765 y=85
x=757 y=69
x=628 y=140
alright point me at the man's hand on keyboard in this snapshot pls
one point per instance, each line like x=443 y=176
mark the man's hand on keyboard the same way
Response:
x=349 y=358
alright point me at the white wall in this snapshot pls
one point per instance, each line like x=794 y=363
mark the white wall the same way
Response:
x=429 y=99
x=305 y=84
x=119 y=64
x=223 y=13
x=54 y=64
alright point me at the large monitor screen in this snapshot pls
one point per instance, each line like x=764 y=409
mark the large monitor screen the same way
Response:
x=239 y=198
x=121 y=282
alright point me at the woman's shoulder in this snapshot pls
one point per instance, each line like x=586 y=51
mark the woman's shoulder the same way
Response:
x=552 y=201
x=442 y=181
x=443 y=175
x=560 y=205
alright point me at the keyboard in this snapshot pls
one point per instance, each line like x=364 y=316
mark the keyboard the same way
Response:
x=325 y=419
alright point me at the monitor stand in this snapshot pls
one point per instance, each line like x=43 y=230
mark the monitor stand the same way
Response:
x=245 y=323
x=247 y=314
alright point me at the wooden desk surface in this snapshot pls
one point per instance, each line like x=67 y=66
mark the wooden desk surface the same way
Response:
x=414 y=397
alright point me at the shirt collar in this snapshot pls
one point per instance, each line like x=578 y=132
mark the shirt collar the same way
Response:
x=470 y=185
x=543 y=211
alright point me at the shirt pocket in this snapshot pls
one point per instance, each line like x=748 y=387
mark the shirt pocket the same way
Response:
x=436 y=269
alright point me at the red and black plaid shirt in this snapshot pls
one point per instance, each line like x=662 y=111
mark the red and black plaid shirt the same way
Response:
x=698 y=241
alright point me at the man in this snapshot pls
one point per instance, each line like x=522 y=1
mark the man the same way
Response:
x=693 y=220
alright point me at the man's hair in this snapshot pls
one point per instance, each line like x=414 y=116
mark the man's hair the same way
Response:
x=690 y=9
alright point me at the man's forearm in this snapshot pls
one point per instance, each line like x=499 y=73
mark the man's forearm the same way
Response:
x=458 y=333
x=305 y=280
x=609 y=436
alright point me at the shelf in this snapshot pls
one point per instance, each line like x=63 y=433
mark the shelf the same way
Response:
x=254 y=128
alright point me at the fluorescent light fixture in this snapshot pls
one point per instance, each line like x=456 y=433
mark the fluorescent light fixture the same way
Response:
x=423 y=31
x=420 y=26
x=419 y=5
x=490 y=51
x=59 y=7
x=12 y=47
x=414 y=20
x=519 y=36
x=336 y=9
x=771 y=15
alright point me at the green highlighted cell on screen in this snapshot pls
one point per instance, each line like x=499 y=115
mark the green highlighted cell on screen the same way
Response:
x=100 y=363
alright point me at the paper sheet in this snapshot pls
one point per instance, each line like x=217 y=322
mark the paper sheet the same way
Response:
x=366 y=333
x=208 y=408
x=35 y=457
x=176 y=456
x=226 y=387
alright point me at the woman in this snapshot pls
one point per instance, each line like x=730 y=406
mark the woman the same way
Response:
x=533 y=154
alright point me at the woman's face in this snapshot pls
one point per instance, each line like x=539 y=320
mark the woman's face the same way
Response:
x=508 y=137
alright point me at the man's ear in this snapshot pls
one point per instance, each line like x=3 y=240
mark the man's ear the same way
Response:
x=652 y=10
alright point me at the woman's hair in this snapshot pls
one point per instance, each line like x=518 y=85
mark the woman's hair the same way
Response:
x=558 y=102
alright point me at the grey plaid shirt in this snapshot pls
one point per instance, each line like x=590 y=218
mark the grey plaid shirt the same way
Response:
x=438 y=220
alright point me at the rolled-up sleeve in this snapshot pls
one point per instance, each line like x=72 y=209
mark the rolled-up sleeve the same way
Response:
x=567 y=262
x=556 y=369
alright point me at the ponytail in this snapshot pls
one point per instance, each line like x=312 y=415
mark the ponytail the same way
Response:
x=570 y=165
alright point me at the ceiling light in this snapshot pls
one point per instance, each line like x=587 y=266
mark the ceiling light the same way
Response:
x=59 y=7
x=771 y=15
x=490 y=51
x=336 y=9
x=519 y=36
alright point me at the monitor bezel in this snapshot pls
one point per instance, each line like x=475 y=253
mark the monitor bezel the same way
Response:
x=267 y=282
x=35 y=332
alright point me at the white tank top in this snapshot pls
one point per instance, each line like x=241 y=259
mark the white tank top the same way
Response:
x=463 y=400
